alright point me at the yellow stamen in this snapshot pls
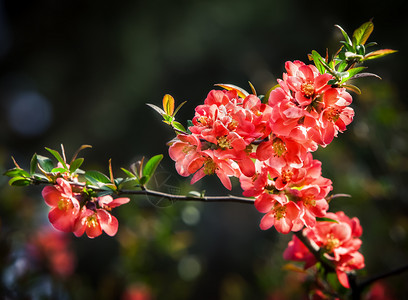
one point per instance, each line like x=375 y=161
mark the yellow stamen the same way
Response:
x=332 y=243
x=278 y=147
x=209 y=167
x=223 y=142
x=64 y=204
x=307 y=89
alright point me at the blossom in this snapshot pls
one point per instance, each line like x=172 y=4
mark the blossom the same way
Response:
x=64 y=206
x=52 y=249
x=339 y=239
x=95 y=217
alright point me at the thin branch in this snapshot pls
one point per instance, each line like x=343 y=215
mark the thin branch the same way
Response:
x=152 y=193
x=315 y=250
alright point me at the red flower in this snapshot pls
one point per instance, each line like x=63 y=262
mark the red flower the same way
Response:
x=94 y=217
x=339 y=240
x=65 y=207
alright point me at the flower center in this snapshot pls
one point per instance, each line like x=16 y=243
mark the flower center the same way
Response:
x=223 y=142
x=307 y=89
x=286 y=176
x=209 y=167
x=333 y=114
x=92 y=221
x=309 y=200
x=278 y=147
x=279 y=212
x=331 y=243
x=232 y=125
x=188 y=148
x=65 y=204
x=204 y=121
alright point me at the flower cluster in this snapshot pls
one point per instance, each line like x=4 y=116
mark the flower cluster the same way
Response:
x=339 y=240
x=268 y=145
x=79 y=212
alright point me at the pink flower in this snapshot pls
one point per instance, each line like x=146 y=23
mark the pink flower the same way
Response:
x=52 y=248
x=95 y=218
x=184 y=150
x=208 y=164
x=64 y=206
x=305 y=81
x=339 y=240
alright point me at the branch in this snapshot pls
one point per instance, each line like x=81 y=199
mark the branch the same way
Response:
x=316 y=251
x=148 y=192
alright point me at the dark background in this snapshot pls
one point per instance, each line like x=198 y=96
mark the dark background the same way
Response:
x=81 y=72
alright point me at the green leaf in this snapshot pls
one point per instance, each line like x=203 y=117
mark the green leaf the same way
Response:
x=45 y=163
x=316 y=59
x=178 y=108
x=19 y=181
x=156 y=108
x=346 y=37
x=128 y=183
x=128 y=173
x=33 y=163
x=58 y=170
x=378 y=54
x=96 y=177
x=178 y=126
x=150 y=167
x=144 y=180
x=362 y=33
x=75 y=164
x=17 y=172
x=351 y=73
x=324 y=219
x=58 y=157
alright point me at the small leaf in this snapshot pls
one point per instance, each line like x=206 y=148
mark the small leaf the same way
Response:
x=128 y=173
x=178 y=108
x=79 y=150
x=230 y=87
x=144 y=180
x=362 y=33
x=58 y=157
x=194 y=194
x=316 y=57
x=378 y=54
x=178 y=126
x=58 y=170
x=252 y=88
x=365 y=74
x=294 y=268
x=352 y=88
x=75 y=164
x=128 y=183
x=45 y=163
x=17 y=172
x=33 y=163
x=168 y=104
x=156 y=108
x=324 y=219
x=150 y=167
x=96 y=176
x=346 y=37
x=19 y=181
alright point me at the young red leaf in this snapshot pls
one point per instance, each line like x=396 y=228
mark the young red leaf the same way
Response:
x=168 y=104
x=378 y=54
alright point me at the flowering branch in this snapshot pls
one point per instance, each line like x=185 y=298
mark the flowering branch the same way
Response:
x=264 y=141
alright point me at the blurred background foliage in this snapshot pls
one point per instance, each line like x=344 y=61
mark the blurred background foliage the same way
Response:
x=80 y=72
